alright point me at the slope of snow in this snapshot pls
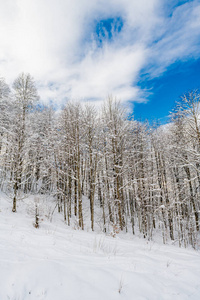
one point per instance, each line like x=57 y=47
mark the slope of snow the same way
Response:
x=56 y=262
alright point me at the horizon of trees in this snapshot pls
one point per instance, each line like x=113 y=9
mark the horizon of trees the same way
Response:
x=137 y=176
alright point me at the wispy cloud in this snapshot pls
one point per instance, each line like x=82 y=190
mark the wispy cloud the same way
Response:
x=58 y=42
x=179 y=40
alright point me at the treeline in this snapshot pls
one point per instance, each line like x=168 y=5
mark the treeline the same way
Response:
x=138 y=177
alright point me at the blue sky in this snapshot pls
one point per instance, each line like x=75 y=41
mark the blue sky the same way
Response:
x=167 y=89
x=145 y=53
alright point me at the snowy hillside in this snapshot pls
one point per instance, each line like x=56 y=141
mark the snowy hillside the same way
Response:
x=58 y=262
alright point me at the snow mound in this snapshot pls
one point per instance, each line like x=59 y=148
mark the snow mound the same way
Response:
x=58 y=262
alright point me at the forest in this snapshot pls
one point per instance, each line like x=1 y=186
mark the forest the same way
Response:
x=140 y=178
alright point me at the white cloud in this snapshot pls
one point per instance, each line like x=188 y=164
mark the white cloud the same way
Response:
x=55 y=41
x=180 y=39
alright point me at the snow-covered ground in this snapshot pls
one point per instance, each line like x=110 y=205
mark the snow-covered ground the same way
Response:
x=56 y=262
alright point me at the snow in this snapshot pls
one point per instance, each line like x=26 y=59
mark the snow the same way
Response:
x=59 y=262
